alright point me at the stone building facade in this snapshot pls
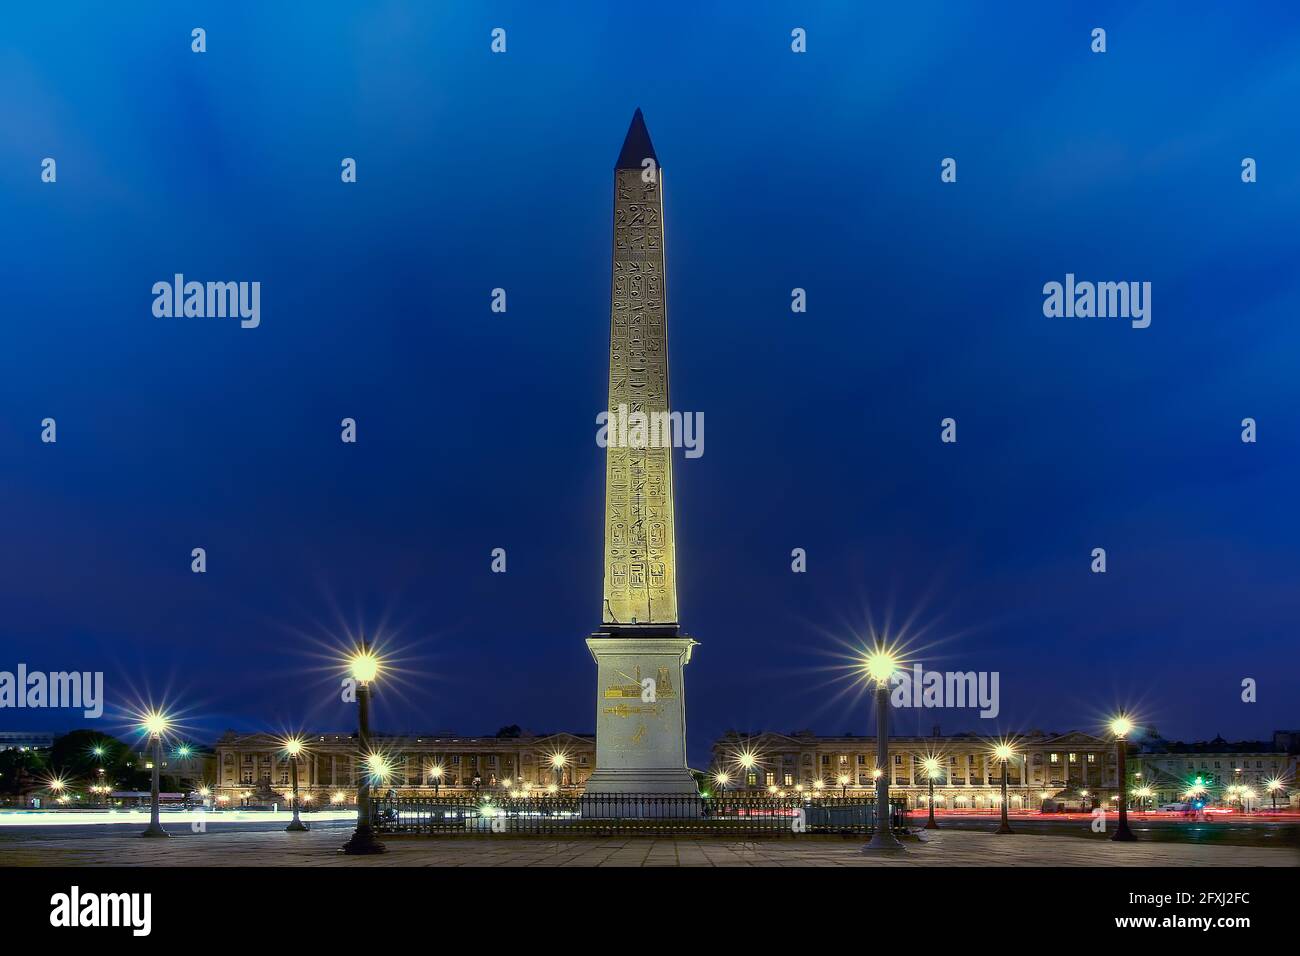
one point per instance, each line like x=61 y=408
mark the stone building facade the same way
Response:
x=1168 y=768
x=254 y=767
x=1079 y=765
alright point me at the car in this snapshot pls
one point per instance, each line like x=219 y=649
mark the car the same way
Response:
x=1175 y=807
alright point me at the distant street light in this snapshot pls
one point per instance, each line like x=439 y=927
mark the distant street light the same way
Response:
x=1004 y=753
x=844 y=785
x=293 y=747
x=1273 y=785
x=880 y=667
x=435 y=774
x=364 y=667
x=720 y=781
x=1121 y=726
x=931 y=767
x=558 y=762
x=1197 y=790
x=748 y=760
x=155 y=724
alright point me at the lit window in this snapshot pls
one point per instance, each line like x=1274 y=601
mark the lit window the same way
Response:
x=1073 y=758
x=789 y=780
x=1092 y=758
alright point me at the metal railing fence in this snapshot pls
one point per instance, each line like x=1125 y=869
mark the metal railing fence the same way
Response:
x=548 y=814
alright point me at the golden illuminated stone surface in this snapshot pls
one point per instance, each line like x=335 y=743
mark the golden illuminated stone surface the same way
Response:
x=640 y=553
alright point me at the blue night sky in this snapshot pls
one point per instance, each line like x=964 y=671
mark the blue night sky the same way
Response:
x=476 y=430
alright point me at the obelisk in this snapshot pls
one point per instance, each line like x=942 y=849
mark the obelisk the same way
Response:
x=640 y=651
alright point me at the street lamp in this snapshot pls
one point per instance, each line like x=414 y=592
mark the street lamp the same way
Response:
x=720 y=780
x=931 y=767
x=880 y=666
x=155 y=724
x=1004 y=752
x=844 y=785
x=747 y=760
x=364 y=667
x=435 y=774
x=1121 y=726
x=293 y=747
x=1273 y=785
x=558 y=762
x=1143 y=793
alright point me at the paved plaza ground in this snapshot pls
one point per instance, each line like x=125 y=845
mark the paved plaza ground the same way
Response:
x=273 y=847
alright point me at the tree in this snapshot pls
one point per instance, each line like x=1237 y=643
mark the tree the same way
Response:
x=20 y=770
x=78 y=755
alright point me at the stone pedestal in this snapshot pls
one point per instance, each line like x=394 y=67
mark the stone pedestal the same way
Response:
x=641 y=714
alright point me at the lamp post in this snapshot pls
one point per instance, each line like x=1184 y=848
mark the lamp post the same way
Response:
x=155 y=724
x=720 y=781
x=880 y=667
x=364 y=666
x=1004 y=753
x=844 y=785
x=1121 y=726
x=558 y=762
x=435 y=774
x=293 y=747
x=747 y=762
x=931 y=766
x=1273 y=785
x=1142 y=793
x=56 y=785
